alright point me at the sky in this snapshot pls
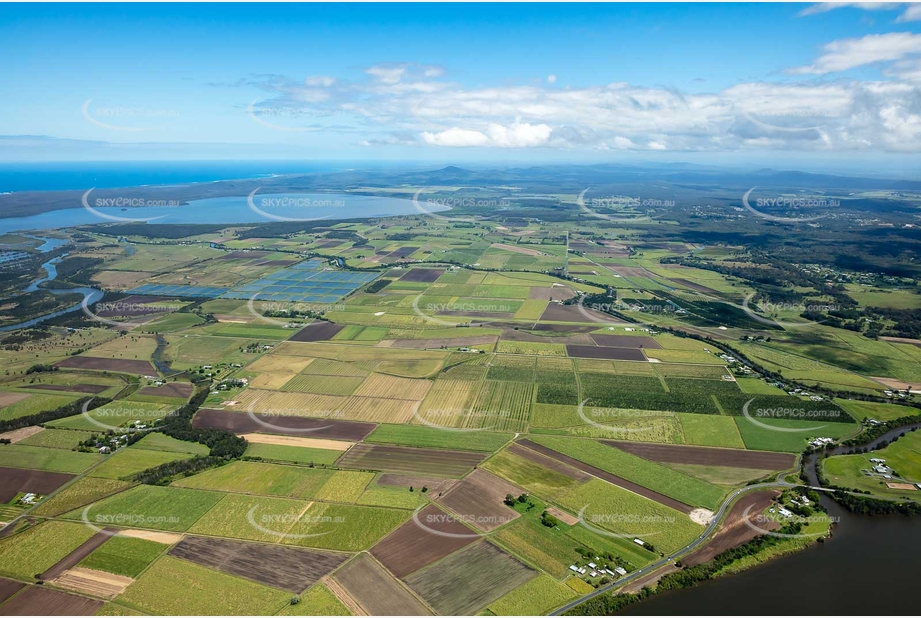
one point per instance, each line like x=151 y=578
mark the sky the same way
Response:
x=799 y=86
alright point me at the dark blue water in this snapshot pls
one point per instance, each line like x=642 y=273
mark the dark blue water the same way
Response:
x=60 y=176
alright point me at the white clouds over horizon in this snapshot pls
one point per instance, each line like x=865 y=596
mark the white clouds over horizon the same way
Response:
x=415 y=105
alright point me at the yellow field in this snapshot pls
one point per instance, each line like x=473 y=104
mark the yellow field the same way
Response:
x=280 y=363
x=448 y=402
x=390 y=387
x=377 y=410
x=129 y=347
x=327 y=367
x=288 y=404
x=271 y=381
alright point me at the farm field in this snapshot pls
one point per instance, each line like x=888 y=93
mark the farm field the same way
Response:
x=47 y=459
x=469 y=580
x=410 y=460
x=161 y=508
x=376 y=591
x=164 y=587
x=39 y=548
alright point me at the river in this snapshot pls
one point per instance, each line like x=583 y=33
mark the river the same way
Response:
x=90 y=295
x=869 y=566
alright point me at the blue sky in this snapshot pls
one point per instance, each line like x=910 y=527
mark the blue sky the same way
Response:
x=741 y=83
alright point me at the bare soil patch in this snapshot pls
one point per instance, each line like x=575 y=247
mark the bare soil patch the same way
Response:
x=588 y=351
x=627 y=341
x=330 y=445
x=903 y=486
x=318 y=331
x=706 y=456
x=402 y=252
x=39 y=601
x=177 y=390
x=413 y=545
x=376 y=590
x=118 y=365
x=91 y=581
x=563 y=516
x=149 y=535
x=21 y=434
x=610 y=478
x=571 y=313
x=8 y=588
x=240 y=423
x=289 y=568
x=649 y=580
x=521 y=335
x=551 y=293
x=18 y=480
x=436 y=485
x=478 y=499
x=423 y=275
x=733 y=531
x=8 y=399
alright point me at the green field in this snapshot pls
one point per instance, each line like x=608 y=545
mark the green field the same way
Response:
x=37 y=549
x=156 y=441
x=535 y=598
x=148 y=506
x=655 y=476
x=173 y=586
x=48 y=459
x=432 y=437
x=764 y=439
x=127 y=462
x=318 y=601
x=79 y=493
x=292 y=454
x=709 y=430
x=56 y=438
x=123 y=556
x=622 y=512
x=903 y=456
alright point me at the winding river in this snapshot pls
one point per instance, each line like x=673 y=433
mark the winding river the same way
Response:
x=90 y=295
x=869 y=567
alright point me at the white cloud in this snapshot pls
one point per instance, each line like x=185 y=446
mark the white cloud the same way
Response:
x=846 y=54
x=455 y=137
x=551 y=79
x=824 y=7
x=398 y=100
x=320 y=80
x=912 y=13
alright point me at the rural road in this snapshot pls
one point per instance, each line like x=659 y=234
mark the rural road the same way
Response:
x=704 y=536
